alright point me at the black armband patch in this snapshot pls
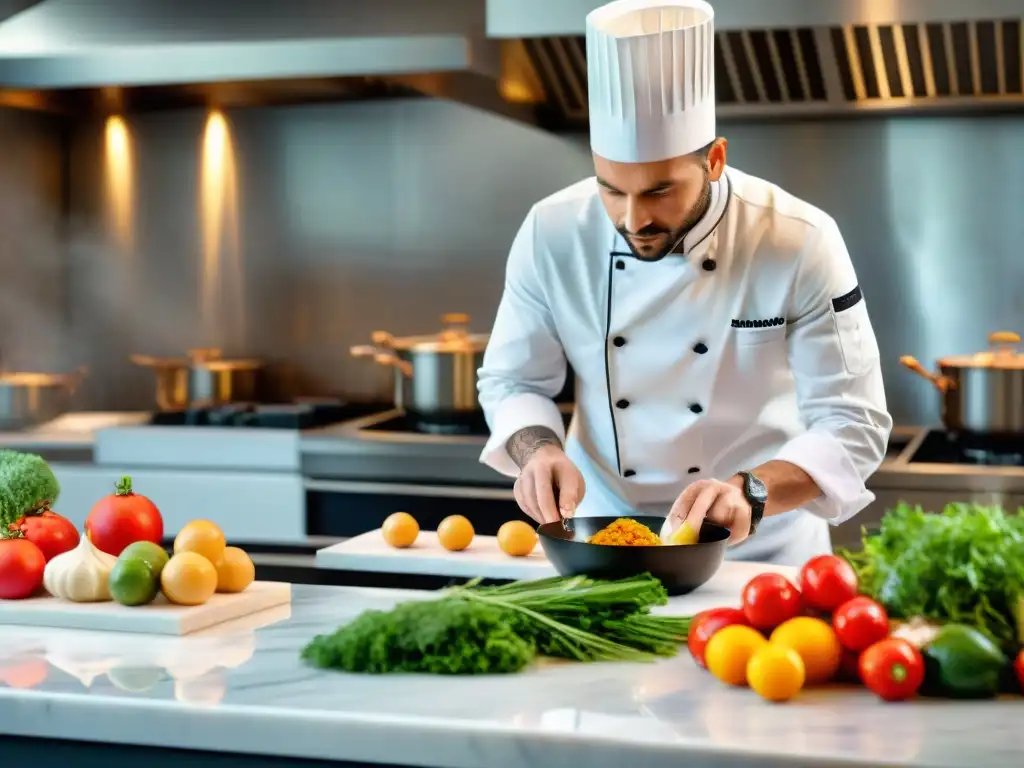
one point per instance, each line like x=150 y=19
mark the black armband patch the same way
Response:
x=847 y=300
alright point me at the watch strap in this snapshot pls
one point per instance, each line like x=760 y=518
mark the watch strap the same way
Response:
x=756 y=494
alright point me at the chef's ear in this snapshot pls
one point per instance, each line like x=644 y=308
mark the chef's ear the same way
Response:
x=716 y=158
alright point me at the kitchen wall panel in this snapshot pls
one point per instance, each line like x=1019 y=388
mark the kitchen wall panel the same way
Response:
x=384 y=215
x=33 y=290
x=351 y=218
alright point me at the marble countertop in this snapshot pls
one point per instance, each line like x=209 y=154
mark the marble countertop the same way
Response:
x=76 y=429
x=241 y=688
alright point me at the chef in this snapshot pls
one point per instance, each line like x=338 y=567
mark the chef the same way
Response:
x=726 y=367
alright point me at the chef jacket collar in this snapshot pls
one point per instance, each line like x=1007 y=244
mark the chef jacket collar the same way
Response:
x=701 y=232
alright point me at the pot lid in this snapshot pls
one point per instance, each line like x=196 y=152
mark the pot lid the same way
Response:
x=453 y=338
x=1002 y=354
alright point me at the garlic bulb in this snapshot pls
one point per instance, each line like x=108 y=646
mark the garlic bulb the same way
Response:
x=81 y=575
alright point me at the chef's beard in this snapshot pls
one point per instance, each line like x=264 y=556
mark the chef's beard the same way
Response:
x=674 y=239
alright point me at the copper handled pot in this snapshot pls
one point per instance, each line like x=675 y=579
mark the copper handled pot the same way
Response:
x=27 y=399
x=202 y=378
x=981 y=393
x=435 y=375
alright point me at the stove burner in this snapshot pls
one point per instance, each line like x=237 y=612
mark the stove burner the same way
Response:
x=300 y=414
x=940 y=447
x=472 y=425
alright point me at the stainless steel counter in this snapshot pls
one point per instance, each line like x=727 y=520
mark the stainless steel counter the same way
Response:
x=353 y=450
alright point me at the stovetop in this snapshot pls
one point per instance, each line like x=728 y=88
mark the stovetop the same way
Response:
x=408 y=424
x=298 y=414
x=473 y=425
x=940 y=447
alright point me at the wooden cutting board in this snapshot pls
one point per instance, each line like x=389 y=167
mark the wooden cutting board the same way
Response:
x=157 y=618
x=369 y=552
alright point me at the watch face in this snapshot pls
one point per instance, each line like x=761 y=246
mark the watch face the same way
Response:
x=756 y=489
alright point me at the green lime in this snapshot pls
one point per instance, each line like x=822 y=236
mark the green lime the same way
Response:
x=132 y=581
x=154 y=555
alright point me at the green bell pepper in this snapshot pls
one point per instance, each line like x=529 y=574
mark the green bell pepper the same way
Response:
x=962 y=663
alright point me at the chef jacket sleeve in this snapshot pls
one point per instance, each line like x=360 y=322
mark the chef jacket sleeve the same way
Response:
x=834 y=356
x=524 y=366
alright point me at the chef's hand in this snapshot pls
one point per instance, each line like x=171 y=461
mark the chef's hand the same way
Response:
x=717 y=501
x=550 y=486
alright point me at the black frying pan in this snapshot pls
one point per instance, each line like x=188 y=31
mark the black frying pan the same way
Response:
x=680 y=568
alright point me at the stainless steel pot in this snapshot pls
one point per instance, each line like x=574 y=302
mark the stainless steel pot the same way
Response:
x=981 y=393
x=27 y=399
x=435 y=375
x=202 y=378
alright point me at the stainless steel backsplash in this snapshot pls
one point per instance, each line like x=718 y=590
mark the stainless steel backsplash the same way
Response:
x=384 y=215
x=33 y=281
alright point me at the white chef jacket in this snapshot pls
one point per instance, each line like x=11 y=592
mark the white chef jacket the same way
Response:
x=752 y=344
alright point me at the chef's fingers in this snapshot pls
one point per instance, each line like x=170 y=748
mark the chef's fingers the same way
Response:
x=682 y=504
x=728 y=512
x=570 y=488
x=526 y=497
x=544 y=491
x=702 y=505
x=517 y=492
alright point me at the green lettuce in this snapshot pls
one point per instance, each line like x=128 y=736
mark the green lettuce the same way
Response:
x=964 y=564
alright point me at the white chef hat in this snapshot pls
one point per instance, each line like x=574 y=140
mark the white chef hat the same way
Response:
x=651 y=74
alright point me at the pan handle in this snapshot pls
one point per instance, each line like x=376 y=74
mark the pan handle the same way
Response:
x=386 y=358
x=382 y=339
x=941 y=383
x=382 y=358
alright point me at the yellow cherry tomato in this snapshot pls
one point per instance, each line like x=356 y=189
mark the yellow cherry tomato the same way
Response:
x=455 y=533
x=815 y=642
x=517 y=538
x=729 y=650
x=775 y=672
x=400 y=530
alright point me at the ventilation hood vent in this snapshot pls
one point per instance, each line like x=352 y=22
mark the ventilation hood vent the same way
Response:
x=154 y=53
x=805 y=58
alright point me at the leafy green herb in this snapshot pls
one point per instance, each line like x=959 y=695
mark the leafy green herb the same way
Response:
x=478 y=630
x=27 y=485
x=964 y=565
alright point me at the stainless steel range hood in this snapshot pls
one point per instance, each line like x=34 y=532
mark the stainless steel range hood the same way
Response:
x=777 y=58
x=522 y=58
x=251 y=50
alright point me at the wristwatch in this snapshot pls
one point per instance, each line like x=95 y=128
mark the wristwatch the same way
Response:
x=756 y=494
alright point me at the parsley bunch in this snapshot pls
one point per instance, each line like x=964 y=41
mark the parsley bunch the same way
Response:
x=478 y=630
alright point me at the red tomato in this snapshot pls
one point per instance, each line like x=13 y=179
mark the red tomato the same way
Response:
x=860 y=622
x=1018 y=667
x=122 y=519
x=705 y=624
x=892 y=668
x=21 y=568
x=53 y=534
x=770 y=599
x=827 y=581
